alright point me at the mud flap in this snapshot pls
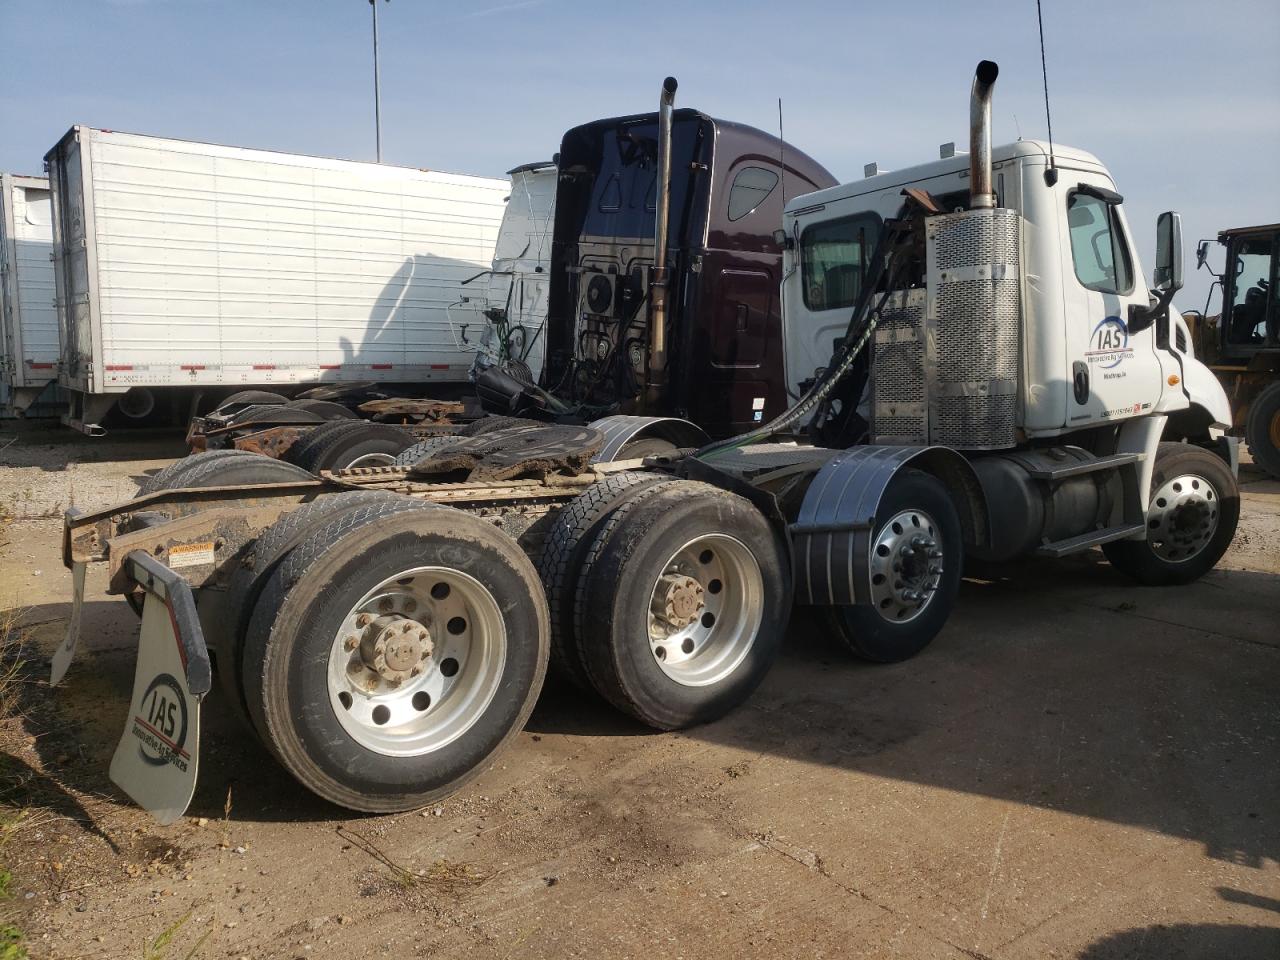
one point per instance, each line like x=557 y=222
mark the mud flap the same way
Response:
x=157 y=758
x=66 y=651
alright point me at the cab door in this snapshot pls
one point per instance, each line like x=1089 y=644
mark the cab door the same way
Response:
x=1114 y=370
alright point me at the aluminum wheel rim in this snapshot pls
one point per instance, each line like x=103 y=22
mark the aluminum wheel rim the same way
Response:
x=906 y=566
x=458 y=671
x=717 y=620
x=371 y=460
x=1182 y=518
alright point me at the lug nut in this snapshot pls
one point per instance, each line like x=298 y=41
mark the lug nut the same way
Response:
x=351 y=642
x=363 y=620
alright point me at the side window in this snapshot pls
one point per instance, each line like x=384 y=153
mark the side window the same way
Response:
x=750 y=188
x=1098 y=247
x=833 y=260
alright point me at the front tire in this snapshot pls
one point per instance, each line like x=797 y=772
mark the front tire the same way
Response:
x=917 y=555
x=1262 y=430
x=387 y=661
x=1191 y=519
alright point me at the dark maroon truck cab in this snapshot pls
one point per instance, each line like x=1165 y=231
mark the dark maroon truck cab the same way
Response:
x=724 y=327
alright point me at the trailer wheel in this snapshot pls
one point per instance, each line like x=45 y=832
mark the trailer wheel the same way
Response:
x=273 y=413
x=389 y=657
x=1262 y=430
x=488 y=424
x=245 y=397
x=424 y=448
x=1191 y=518
x=342 y=444
x=325 y=409
x=221 y=468
x=682 y=604
x=916 y=559
x=257 y=564
x=564 y=550
x=214 y=468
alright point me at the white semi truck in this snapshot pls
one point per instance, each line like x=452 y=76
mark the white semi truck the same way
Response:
x=1003 y=384
x=28 y=321
x=186 y=268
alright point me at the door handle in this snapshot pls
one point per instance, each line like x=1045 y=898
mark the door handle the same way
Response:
x=1080 y=381
x=742 y=318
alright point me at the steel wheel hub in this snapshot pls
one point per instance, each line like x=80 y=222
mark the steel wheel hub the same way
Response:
x=906 y=565
x=1182 y=518
x=705 y=610
x=417 y=661
x=372 y=460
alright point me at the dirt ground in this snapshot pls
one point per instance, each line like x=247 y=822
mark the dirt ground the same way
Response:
x=1077 y=767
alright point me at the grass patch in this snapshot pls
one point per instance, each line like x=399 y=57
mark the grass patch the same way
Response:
x=158 y=949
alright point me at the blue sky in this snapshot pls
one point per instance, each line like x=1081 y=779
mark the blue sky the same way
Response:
x=1181 y=99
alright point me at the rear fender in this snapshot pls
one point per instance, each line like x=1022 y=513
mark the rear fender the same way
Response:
x=621 y=429
x=832 y=536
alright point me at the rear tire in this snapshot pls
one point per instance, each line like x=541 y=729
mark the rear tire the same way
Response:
x=682 y=604
x=564 y=551
x=1262 y=430
x=325 y=409
x=423 y=449
x=1191 y=519
x=259 y=561
x=354 y=738
x=343 y=444
x=896 y=627
x=245 y=397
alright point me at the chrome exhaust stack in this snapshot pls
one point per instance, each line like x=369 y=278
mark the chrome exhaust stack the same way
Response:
x=981 y=194
x=657 y=366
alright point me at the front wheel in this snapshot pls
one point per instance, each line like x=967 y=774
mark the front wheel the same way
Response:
x=1191 y=519
x=916 y=556
x=1262 y=430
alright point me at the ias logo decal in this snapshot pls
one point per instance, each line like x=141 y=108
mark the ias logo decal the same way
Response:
x=1109 y=343
x=162 y=732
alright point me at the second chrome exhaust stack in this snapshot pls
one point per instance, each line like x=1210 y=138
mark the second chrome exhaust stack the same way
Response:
x=657 y=365
x=981 y=194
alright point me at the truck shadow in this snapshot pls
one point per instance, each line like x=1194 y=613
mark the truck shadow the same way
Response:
x=1186 y=940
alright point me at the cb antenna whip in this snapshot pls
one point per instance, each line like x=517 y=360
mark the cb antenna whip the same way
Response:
x=1050 y=175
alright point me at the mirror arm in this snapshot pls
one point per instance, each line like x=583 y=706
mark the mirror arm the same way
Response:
x=1141 y=317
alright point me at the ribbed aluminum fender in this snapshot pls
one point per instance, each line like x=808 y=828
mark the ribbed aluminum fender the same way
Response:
x=621 y=429
x=831 y=537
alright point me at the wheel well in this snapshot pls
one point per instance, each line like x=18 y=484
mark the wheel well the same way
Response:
x=961 y=482
x=1191 y=424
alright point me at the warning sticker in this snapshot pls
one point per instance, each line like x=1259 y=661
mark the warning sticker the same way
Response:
x=190 y=555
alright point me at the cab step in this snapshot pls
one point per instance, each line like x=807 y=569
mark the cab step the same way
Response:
x=1094 y=538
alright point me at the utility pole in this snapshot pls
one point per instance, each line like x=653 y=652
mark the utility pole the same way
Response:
x=377 y=91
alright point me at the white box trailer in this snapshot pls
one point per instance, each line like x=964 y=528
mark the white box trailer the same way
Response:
x=197 y=266
x=28 y=321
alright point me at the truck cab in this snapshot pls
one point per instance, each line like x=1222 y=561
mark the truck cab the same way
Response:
x=728 y=185
x=1090 y=352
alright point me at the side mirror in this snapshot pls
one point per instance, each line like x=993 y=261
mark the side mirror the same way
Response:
x=782 y=239
x=1202 y=253
x=1168 y=272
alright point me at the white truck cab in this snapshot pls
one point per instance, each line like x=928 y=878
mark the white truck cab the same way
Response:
x=1084 y=361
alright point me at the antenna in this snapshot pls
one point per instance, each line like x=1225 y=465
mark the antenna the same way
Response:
x=782 y=154
x=1050 y=175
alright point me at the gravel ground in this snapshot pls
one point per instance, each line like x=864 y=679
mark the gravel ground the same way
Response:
x=1077 y=767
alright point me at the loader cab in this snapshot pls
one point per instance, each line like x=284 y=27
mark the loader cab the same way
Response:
x=1250 y=320
x=728 y=186
x=1089 y=354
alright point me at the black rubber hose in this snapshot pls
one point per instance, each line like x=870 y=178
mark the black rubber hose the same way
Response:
x=861 y=325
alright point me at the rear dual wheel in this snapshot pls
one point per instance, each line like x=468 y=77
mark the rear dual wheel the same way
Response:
x=681 y=603
x=346 y=444
x=391 y=653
